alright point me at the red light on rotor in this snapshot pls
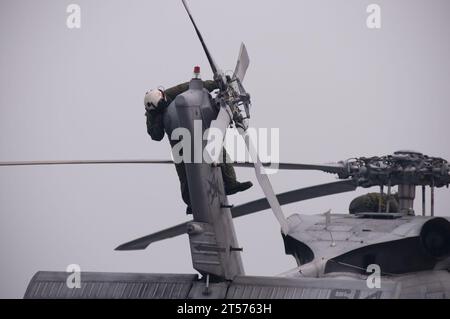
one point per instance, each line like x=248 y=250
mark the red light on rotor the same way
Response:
x=196 y=72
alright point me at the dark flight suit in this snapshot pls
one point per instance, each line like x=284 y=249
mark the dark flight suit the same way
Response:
x=156 y=129
x=370 y=203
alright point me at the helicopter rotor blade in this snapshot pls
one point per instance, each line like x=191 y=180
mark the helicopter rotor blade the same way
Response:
x=265 y=184
x=247 y=209
x=143 y=242
x=221 y=123
x=83 y=162
x=295 y=196
x=242 y=63
x=328 y=168
x=213 y=65
x=336 y=168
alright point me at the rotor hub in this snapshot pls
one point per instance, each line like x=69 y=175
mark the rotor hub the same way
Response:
x=400 y=168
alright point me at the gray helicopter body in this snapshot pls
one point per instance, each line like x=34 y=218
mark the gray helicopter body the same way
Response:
x=341 y=247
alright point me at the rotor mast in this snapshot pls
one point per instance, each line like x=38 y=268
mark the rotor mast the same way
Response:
x=406 y=196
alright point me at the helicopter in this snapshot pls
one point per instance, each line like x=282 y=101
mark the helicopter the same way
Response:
x=333 y=252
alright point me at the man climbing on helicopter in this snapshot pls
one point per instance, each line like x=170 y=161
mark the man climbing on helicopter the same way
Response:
x=161 y=121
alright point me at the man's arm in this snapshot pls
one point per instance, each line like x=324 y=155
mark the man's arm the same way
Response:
x=172 y=92
x=155 y=125
x=210 y=85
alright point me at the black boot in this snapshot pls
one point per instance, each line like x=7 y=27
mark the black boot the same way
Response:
x=188 y=210
x=232 y=186
x=237 y=187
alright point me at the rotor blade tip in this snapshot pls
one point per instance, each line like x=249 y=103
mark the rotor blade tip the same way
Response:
x=126 y=247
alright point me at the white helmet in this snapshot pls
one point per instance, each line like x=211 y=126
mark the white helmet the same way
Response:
x=153 y=97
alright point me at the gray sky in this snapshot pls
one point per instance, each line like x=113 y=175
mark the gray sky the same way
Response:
x=335 y=88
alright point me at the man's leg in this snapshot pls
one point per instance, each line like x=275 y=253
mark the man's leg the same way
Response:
x=232 y=186
x=181 y=171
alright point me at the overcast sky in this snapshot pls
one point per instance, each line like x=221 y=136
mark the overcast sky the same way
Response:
x=333 y=87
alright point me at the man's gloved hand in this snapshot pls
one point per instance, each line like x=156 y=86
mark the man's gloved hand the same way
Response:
x=151 y=112
x=158 y=109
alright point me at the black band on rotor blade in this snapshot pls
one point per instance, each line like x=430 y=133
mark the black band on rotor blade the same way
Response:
x=143 y=242
x=295 y=196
